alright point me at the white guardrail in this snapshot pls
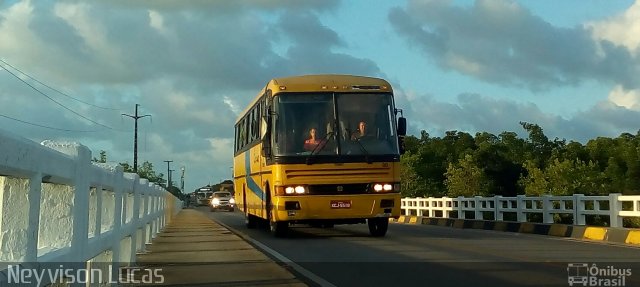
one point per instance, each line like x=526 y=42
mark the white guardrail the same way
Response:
x=58 y=206
x=615 y=206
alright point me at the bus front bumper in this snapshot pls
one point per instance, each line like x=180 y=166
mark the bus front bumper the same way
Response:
x=340 y=208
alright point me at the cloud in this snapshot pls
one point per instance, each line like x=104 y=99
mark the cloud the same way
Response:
x=193 y=66
x=310 y=39
x=476 y=113
x=629 y=99
x=622 y=29
x=502 y=42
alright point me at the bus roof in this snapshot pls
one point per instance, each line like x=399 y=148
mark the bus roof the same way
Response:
x=322 y=83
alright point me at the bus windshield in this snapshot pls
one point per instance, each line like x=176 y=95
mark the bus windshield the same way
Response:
x=334 y=124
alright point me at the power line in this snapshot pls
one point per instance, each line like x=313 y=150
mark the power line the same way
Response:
x=63 y=106
x=42 y=126
x=54 y=89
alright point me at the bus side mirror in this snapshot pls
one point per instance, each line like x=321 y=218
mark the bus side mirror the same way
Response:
x=401 y=144
x=266 y=150
x=402 y=126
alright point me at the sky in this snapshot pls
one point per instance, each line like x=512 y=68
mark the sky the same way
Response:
x=71 y=68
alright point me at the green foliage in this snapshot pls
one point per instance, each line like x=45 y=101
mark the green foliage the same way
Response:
x=465 y=179
x=534 y=182
x=460 y=164
x=102 y=159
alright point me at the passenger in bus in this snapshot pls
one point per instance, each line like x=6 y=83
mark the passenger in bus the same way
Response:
x=311 y=142
x=362 y=132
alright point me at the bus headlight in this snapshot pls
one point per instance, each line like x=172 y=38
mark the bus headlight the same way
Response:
x=215 y=201
x=386 y=187
x=291 y=190
x=232 y=201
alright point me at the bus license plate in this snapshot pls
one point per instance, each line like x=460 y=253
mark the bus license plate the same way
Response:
x=341 y=204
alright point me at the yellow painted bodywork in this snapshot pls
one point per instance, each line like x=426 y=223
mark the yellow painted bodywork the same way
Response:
x=253 y=179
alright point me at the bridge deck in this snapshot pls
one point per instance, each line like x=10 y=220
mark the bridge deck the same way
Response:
x=194 y=250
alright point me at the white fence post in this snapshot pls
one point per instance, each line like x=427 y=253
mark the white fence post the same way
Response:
x=547 y=215
x=35 y=194
x=615 y=206
x=98 y=219
x=578 y=208
x=82 y=162
x=521 y=207
x=497 y=214
x=477 y=205
x=461 y=203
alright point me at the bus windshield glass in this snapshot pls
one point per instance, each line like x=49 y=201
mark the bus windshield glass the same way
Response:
x=307 y=124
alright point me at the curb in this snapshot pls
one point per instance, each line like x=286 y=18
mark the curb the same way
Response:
x=591 y=233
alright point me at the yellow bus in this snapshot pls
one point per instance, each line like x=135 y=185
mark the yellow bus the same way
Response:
x=319 y=150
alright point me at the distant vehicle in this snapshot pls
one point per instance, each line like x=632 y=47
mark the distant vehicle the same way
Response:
x=203 y=196
x=222 y=200
x=349 y=173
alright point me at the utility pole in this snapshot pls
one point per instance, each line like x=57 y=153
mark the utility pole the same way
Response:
x=135 y=137
x=168 y=173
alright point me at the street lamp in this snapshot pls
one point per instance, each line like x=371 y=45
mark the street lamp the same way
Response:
x=182 y=179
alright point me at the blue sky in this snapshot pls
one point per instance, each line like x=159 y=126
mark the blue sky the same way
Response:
x=570 y=66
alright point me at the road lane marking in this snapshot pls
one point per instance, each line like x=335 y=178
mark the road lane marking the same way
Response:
x=283 y=259
x=306 y=273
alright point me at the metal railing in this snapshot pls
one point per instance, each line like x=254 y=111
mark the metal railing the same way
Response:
x=58 y=206
x=615 y=206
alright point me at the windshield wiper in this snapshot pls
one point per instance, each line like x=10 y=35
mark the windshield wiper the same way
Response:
x=364 y=150
x=321 y=145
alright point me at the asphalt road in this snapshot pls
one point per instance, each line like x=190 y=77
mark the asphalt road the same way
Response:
x=440 y=256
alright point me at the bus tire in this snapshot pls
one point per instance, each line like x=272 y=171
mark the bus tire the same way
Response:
x=251 y=221
x=279 y=228
x=378 y=226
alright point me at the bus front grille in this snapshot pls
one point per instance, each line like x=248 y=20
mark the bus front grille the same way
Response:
x=338 y=174
x=338 y=189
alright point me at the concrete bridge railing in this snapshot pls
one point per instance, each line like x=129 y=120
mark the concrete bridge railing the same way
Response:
x=614 y=206
x=58 y=206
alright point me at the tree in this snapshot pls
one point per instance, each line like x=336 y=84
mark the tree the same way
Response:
x=411 y=184
x=465 y=179
x=534 y=181
x=102 y=159
x=145 y=171
x=539 y=147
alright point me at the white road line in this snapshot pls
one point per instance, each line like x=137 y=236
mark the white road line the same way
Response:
x=306 y=273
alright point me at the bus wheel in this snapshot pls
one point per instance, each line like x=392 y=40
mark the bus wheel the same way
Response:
x=378 y=226
x=279 y=228
x=251 y=221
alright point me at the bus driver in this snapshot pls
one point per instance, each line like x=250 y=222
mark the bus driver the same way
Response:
x=311 y=142
x=361 y=132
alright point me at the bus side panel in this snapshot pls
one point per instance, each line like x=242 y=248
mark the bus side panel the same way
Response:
x=261 y=178
x=254 y=191
x=239 y=183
